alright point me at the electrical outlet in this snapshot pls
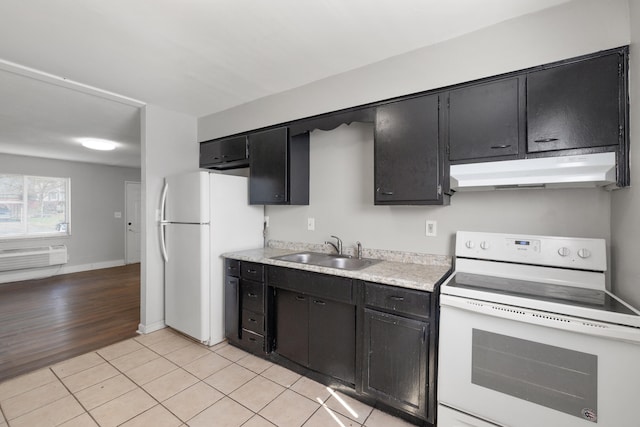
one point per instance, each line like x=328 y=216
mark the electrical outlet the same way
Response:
x=266 y=222
x=431 y=228
x=311 y=224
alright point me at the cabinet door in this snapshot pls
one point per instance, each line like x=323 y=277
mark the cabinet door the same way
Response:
x=332 y=338
x=224 y=153
x=231 y=308
x=292 y=326
x=268 y=169
x=407 y=152
x=484 y=120
x=577 y=105
x=395 y=365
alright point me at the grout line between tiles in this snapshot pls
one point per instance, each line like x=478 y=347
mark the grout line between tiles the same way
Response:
x=75 y=397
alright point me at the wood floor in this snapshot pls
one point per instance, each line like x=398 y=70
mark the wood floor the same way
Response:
x=48 y=320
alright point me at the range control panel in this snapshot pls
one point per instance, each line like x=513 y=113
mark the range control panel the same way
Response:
x=552 y=251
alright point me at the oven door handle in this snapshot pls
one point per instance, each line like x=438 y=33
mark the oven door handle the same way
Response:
x=541 y=318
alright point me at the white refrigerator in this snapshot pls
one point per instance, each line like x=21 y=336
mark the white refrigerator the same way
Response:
x=203 y=215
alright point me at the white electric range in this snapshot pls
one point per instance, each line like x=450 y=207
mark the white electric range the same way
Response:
x=530 y=336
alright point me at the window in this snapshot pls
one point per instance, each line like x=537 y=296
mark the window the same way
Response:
x=34 y=206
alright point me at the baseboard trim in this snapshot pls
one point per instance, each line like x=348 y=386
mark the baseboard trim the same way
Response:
x=147 y=329
x=41 y=273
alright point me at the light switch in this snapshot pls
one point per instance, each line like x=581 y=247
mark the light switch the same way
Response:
x=117 y=214
x=311 y=224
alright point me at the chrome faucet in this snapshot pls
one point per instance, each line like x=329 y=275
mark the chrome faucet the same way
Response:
x=359 y=250
x=338 y=246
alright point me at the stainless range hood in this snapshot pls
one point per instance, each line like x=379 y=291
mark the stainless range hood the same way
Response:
x=588 y=170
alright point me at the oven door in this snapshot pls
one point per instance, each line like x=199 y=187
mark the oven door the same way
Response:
x=522 y=368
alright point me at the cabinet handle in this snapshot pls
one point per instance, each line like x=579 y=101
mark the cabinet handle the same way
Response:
x=396 y=298
x=252 y=339
x=250 y=271
x=252 y=320
x=386 y=193
x=497 y=147
x=317 y=301
x=300 y=298
x=545 y=140
x=252 y=295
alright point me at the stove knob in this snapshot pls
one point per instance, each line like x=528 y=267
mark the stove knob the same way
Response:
x=584 y=253
x=484 y=245
x=563 y=251
x=469 y=244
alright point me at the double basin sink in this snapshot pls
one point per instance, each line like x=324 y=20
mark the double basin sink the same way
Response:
x=342 y=262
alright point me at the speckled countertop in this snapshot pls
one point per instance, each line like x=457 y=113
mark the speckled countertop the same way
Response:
x=403 y=269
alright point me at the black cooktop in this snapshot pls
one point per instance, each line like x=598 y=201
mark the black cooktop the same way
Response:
x=580 y=297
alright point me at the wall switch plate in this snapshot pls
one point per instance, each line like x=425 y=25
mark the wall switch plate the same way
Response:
x=266 y=222
x=311 y=224
x=431 y=228
x=117 y=214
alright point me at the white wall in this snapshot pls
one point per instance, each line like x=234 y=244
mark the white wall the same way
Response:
x=341 y=160
x=168 y=147
x=341 y=201
x=97 y=238
x=625 y=222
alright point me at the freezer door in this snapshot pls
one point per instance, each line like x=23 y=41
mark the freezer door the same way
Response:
x=187 y=198
x=187 y=279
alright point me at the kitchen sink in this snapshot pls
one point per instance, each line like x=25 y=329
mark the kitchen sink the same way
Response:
x=342 y=262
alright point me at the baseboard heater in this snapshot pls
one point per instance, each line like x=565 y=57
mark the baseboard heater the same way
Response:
x=44 y=256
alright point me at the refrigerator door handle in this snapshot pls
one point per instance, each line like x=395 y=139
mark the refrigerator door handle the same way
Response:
x=163 y=223
x=163 y=201
x=163 y=242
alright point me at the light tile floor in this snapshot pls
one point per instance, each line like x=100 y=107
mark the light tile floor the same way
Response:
x=163 y=379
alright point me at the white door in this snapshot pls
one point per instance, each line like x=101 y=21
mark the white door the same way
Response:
x=187 y=198
x=133 y=226
x=186 y=279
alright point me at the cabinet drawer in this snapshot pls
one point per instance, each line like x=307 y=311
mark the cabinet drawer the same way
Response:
x=252 y=296
x=232 y=267
x=397 y=299
x=252 y=271
x=252 y=341
x=320 y=285
x=253 y=321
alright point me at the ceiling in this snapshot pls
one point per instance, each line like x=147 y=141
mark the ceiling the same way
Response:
x=198 y=56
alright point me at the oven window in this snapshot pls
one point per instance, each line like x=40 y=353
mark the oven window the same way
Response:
x=555 y=377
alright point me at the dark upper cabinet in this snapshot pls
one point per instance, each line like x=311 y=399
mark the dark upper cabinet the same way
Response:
x=278 y=168
x=227 y=153
x=576 y=105
x=408 y=158
x=486 y=120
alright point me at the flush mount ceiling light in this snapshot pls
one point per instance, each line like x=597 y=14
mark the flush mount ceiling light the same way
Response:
x=97 y=144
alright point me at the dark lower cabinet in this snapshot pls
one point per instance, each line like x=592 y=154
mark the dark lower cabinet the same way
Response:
x=315 y=321
x=395 y=361
x=332 y=338
x=292 y=326
x=232 y=308
x=246 y=314
x=317 y=333
x=377 y=340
